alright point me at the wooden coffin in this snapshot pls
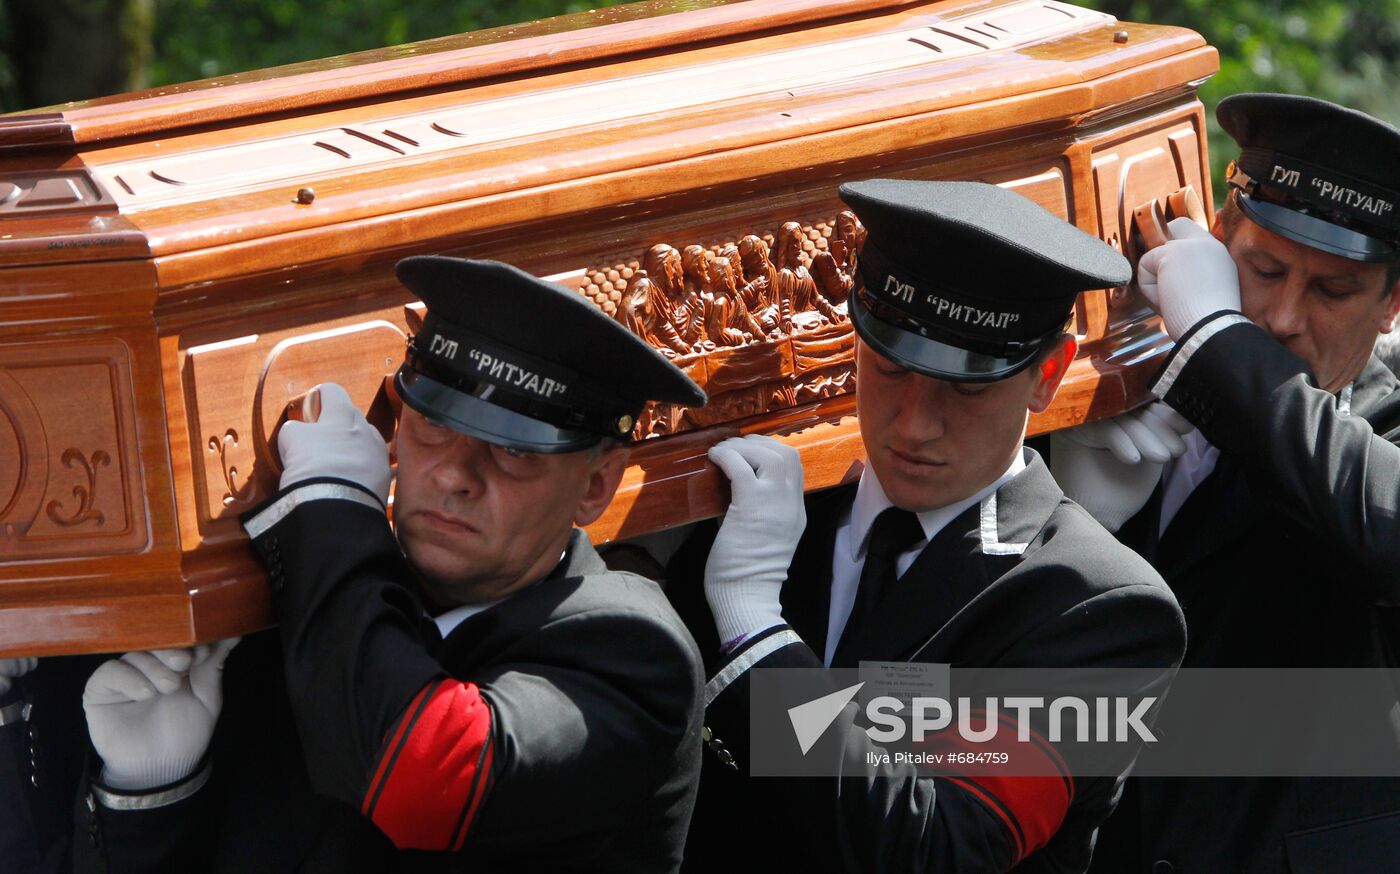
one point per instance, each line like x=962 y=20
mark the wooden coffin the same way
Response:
x=176 y=265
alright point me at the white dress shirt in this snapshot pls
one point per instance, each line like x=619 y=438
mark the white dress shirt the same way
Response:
x=1183 y=474
x=457 y=615
x=853 y=536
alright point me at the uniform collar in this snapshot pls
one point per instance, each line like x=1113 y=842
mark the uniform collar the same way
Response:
x=446 y=622
x=457 y=615
x=1372 y=386
x=871 y=501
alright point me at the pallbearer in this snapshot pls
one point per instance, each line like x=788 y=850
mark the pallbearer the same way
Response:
x=472 y=681
x=1277 y=523
x=956 y=546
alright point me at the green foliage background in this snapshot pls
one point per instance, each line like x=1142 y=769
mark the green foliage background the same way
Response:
x=1344 y=50
x=1347 y=51
x=196 y=39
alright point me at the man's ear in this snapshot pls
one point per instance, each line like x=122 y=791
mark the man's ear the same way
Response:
x=603 y=479
x=1392 y=310
x=1217 y=227
x=1051 y=371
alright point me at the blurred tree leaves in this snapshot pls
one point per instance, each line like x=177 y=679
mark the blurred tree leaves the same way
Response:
x=1346 y=51
x=55 y=50
x=1343 y=50
x=196 y=39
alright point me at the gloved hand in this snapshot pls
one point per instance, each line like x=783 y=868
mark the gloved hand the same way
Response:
x=1111 y=466
x=13 y=669
x=1189 y=277
x=151 y=714
x=759 y=534
x=340 y=443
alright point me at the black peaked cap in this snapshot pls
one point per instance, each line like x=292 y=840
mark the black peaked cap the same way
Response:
x=1316 y=172
x=518 y=361
x=966 y=280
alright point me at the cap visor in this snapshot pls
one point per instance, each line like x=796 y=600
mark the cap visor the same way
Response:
x=478 y=417
x=931 y=357
x=1314 y=232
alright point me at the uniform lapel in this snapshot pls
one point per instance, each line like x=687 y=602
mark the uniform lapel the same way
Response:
x=480 y=635
x=1222 y=508
x=944 y=576
x=959 y=564
x=1374 y=396
x=1140 y=533
x=806 y=596
x=1216 y=514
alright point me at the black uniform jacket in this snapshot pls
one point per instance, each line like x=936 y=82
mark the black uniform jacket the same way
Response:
x=43 y=737
x=557 y=730
x=1287 y=555
x=1026 y=579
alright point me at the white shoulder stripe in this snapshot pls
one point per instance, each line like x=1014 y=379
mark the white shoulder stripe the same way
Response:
x=123 y=801
x=260 y=523
x=14 y=713
x=991 y=542
x=747 y=659
x=1184 y=352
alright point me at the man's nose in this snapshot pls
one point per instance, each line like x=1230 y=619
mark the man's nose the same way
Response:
x=459 y=469
x=1284 y=314
x=922 y=401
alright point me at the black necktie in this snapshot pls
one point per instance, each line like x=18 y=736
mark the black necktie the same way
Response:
x=894 y=532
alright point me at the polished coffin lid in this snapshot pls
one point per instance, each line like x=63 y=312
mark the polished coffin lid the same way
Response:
x=176 y=265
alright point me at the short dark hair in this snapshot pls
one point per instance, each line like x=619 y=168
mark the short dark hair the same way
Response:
x=1231 y=216
x=603 y=445
x=1043 y=352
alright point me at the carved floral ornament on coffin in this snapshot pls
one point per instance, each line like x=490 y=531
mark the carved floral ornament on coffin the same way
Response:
x=759 y=322
x=69 y=472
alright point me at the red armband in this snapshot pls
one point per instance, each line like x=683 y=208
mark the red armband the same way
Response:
x=434 y=769
x=1030 y=805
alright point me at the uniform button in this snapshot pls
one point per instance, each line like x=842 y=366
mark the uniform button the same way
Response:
x=1162 y=866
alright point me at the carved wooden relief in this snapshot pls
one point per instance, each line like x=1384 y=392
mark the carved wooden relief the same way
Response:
x=237 y=389
x=759 y=322
x=688 y=189
x=70 y=476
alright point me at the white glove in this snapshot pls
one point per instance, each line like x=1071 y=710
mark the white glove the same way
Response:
x=151 y=714
x=1111 y=466
x=1189 y=277
x=13 y=669
x=340 y=443
x=749 y=560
